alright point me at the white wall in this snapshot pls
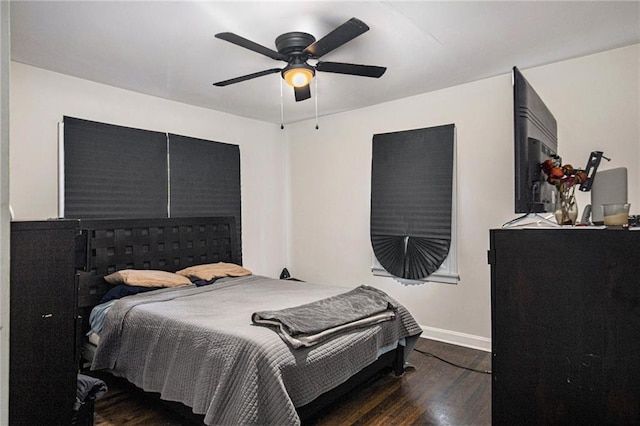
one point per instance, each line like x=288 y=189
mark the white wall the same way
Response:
x=40 y=98
x=314 y=188
x=4 y=211
x=596 y=100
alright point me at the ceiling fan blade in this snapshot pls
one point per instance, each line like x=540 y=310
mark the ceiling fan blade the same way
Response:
x=302 y=93
x=352 y=69
x=336 y=38
x=248 y=44
x=246 y=77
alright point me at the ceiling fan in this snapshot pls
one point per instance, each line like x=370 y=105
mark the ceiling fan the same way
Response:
x=296 y=48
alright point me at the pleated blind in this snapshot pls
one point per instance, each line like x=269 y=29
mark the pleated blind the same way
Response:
x=411 y=199
x=118 y=172
x=204 y=179
x=113 y=171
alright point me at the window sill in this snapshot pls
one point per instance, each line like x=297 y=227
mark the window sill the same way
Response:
x=437 y=277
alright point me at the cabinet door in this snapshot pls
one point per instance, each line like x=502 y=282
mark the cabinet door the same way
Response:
x=565 y=320
x=42 y=372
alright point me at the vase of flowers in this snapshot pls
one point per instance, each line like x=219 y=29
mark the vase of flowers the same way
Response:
x=566 y=210
x=564 y=178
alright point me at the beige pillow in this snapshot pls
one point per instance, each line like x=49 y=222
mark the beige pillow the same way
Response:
x=147 y=278
x=210 y=271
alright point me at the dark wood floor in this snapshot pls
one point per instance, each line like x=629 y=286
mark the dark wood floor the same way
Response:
x=432 y=393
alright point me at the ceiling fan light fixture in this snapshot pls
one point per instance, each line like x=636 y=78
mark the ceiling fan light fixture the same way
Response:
x=298 y=75
x=296 y=48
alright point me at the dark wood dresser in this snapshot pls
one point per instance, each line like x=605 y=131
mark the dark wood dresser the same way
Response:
x=43 y=361
x=565 y=326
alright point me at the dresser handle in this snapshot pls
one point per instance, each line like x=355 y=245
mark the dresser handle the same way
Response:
x=47 y=315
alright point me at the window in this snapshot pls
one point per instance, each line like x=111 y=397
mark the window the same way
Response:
x=204 y=178
x=109 y=171
x=112 y=171
x=412 y=204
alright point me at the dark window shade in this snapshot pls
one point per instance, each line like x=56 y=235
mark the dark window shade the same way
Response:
x=204 y=179
x=113 y=171
x=119 y=172
x=411 y=196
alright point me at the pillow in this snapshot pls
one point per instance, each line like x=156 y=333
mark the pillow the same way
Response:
x=121 y=290
x=147 y=278
x=210 y=271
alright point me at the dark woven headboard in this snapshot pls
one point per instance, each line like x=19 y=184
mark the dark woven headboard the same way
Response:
x=165 y=244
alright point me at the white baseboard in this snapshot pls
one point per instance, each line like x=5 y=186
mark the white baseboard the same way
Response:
x=456 y=338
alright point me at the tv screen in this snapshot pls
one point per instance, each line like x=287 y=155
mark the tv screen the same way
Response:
x=536 y=139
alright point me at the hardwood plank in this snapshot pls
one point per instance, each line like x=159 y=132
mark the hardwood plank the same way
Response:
x=432 y=393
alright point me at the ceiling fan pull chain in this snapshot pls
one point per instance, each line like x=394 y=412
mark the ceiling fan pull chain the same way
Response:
x=281 y=106
x=316 y=99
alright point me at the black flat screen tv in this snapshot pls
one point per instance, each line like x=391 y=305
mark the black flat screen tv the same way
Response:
x=536 y=139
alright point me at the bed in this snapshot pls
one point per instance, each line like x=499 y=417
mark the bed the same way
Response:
x=197 y=345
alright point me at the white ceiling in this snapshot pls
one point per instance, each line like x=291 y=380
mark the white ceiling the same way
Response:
x=168 y=49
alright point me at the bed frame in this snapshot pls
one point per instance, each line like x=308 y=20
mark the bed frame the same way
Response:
x=165 y=244
x=109 y=245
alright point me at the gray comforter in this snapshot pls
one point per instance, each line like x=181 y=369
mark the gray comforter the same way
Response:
x=197 y=345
